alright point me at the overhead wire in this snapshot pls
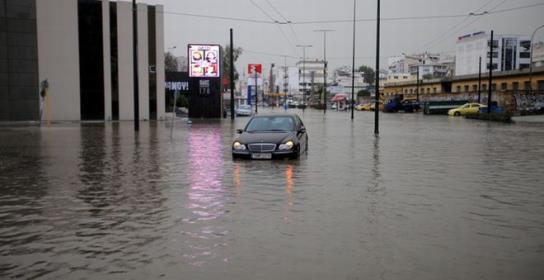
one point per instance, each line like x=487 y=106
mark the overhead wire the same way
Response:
x=442 y=35
x=273 y=19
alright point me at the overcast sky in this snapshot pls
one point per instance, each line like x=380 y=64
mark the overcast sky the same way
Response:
x=397 y=36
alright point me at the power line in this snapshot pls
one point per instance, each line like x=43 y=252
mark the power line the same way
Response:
x=346 y=20
x=492 y=10
x=285 y=20
x=263 y=11
x=219 y=17
x=453 y=28
x=276 y=21
x=416 y=17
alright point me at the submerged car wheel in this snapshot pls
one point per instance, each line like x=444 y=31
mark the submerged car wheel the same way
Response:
x=457 y=114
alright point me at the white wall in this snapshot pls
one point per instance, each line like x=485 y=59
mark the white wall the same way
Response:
x=107 y=58
x=125 y=61
x=159 y=18
x=58 y=56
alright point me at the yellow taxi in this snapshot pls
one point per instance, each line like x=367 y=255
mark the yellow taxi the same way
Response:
x=363 y=107
x=467 y=109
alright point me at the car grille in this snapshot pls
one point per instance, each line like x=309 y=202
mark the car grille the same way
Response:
x=262 y=147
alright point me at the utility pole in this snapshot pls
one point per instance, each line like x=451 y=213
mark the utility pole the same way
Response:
x=377 y=88
x=479 y=79
x=353 y=65
x=324 y=31
x=417 y=84
x=304 y=70
x=256 y=91
x=135 y=68
x=231 y=56
x=531 y=59
x=491 y=45
x=285 y=83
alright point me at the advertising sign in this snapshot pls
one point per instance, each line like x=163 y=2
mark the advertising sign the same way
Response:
x=251 y=70
x=538 y=52
x=204 y=61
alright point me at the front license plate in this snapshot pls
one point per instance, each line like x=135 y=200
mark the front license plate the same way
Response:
x=261 y=156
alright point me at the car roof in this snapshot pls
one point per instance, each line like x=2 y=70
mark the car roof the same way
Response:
x=277 y=115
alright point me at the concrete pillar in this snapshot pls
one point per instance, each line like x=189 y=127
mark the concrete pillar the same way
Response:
x=125 y=60
x=58 y=56
x=159 y=16
x=143 y=61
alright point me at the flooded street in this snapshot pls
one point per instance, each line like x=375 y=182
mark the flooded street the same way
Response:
x=432 y=198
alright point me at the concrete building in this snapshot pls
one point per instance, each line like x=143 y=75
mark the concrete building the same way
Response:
x=341 y=78
x=84 y=50
x=430 y=65
x=310 y=73
x=510 y=52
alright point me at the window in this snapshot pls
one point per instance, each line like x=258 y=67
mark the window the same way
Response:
x=495 y=54
x=540 y=85
x=458 y=88
x=504 y=86
x=411 y=90
x=474 y=88
x=527 y=85
x=466 y=88
x=434 y=90
x=428 y=90
x=494 y=66
x=484 y=87
x=493 y=87
x=524 y=54
x=515 y=86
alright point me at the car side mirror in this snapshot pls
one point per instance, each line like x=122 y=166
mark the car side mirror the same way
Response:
x=302 y=129
x=239 y=131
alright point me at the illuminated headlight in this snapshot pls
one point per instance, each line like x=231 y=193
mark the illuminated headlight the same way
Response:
x=238 y=146
x=287 y=145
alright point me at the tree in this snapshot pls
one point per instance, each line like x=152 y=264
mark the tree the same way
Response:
x=226 y=61
x=369 y=76
x=170 y=62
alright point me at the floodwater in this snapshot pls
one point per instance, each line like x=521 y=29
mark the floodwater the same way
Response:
x=432 y=198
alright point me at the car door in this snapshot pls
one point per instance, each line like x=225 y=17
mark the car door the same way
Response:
x=474 y=109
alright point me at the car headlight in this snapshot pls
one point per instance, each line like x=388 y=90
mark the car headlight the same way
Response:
x=287 y=145
x=238 y=146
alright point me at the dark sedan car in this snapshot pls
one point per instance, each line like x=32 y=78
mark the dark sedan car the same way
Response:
x=271 y=136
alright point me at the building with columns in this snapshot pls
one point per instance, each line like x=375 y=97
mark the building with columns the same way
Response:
x=83 y=48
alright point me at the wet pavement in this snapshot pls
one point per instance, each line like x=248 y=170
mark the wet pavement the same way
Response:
x=432 y=198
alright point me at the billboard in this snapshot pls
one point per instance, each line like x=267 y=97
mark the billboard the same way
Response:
x=204 y=61
x=251 y=70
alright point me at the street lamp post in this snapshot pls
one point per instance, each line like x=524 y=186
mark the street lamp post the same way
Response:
x=135 y=66
x=377 y=88
x=304 y=70
x=480 y=79
x=324 y=31
x=353 y=65
x=531 y=59
x=489 y=87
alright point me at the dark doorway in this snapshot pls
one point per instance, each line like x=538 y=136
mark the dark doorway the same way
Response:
x=91 y=62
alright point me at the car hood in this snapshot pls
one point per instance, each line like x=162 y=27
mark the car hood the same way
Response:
x=265 y=137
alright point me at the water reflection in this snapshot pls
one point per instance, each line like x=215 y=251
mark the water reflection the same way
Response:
x=206 y=194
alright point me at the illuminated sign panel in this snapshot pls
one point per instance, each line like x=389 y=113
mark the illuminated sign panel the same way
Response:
x=204 y=61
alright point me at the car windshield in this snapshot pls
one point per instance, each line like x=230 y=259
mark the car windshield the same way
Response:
x=245 y=107
x=276 y=123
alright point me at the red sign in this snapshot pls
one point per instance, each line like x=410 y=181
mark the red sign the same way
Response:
x=252 y=67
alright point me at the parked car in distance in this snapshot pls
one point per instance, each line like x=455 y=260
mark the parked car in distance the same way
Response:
x=467 y=109
x=243 y=110
x=271 y=136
